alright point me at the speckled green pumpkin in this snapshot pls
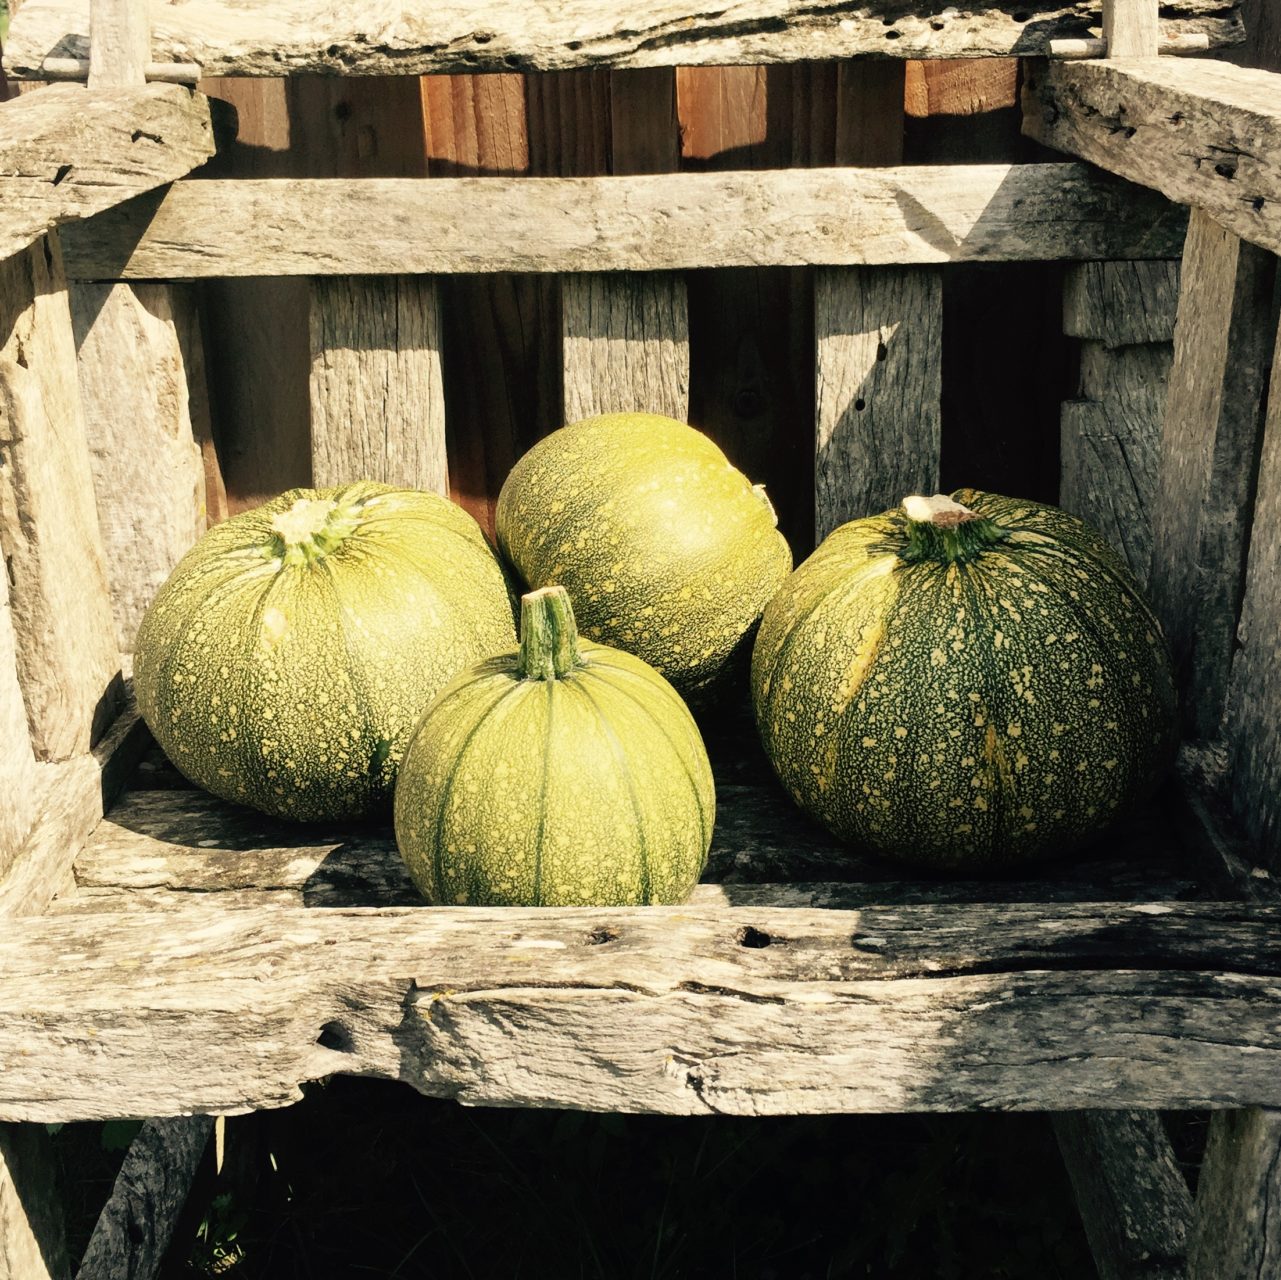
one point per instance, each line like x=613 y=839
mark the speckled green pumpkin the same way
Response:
x=964 y=683
x=289 y=654
x=666 y=549
x=564 y=774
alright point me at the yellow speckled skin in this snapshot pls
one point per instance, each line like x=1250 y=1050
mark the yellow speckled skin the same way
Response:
x=970 y=714
x=592 y=789
x=292 y=687
x=665 y=548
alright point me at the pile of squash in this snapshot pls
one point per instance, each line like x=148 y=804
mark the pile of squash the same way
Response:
x=963 y=682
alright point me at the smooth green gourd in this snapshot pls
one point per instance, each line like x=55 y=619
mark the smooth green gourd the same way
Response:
x=964 y=682
x=290 y=652
x=666 y=549
x=563 y=774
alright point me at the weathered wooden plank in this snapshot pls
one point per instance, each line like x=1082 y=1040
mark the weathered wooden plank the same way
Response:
x=68 y=664
x=1131 y=28
x=1210 y=442
x=916 y=214
x=1201 y=131
x=1121 y=303
x=69 y=152
x=1236 y=1234
x=626 y=344
x=18 y=768
x=136 y=1225
x=33 y=1242
x=672 y=1010
x=879 y=373
x=1253 y=725
x=119 y=42
x=1134 y=1200
x=377 y=396
x=148 y=472
x=269 y=39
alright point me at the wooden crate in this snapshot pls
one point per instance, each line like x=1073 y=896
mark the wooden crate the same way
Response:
x=168 y=954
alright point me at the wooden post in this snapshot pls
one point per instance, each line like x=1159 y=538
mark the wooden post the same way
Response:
x=1131 y=28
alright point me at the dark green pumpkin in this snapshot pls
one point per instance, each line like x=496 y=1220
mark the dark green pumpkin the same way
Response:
x=667 y=550
x=292 y=649
x=964 y=685
x=564 y=774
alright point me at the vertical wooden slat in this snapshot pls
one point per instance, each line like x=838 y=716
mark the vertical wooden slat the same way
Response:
x=18 y=769
x=119 y=43
x=1131 y=28
x=377 y=397
x=1254 y=703
x=67 y=659
x=1210 y=441
x=1236 y=1234
x=878 y=335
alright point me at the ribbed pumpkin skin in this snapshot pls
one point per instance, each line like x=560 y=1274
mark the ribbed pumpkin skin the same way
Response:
x=592 y=790
x=293 y=687
x=970 y=715
x=665 y=548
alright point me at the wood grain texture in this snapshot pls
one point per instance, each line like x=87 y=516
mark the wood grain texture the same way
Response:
x=1201 y=131
x=1210 y=445
x=119 y=42
x=377 y=397
x=1253 y=724
x=33 y=1242
x=18 y=768
x=626 y=344
x=289 y=38
x=1121 y=303
x=68 y=663
x=1131 y=28
x=1134 y=1200
x=879 y=368
x=70 y=152
x=675 y=1011
x=1236 y=1234
x=136 y=1224
x=148 y=472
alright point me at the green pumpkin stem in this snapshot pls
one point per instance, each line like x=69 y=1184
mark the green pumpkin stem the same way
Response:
x=311 y=529
x=548 y=636
x=943 y=530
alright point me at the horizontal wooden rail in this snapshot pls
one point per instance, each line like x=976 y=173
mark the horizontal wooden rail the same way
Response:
x=293 y=37
x=917 y=214
x=1204 y=133
x=683 y=1010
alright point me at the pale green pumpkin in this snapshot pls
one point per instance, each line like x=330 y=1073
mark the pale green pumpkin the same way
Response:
x=666 y=549
x=964 y=682
x=564 y=774
x=290 y=652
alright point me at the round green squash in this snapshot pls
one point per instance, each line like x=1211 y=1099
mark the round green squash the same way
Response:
x=666 y=549
x=564 y=774
x=964 y=682
x=291 y=651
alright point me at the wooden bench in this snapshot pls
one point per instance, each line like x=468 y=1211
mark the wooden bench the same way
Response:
x=168 y=955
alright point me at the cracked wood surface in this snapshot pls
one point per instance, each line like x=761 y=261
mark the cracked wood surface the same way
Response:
x=67 y=152
x=679 y=1010
x=647 y=222
x=1203 y=133
x=290 y=37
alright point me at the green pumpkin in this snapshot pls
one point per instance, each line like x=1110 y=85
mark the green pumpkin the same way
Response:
x=564 y=774
x=667 y=551
x=290 y=652
x=964 y=682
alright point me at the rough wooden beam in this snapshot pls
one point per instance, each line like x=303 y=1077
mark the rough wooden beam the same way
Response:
x=68 y=152
x=679 y=1010
x=1202 y=132
x=288 y=37
x=1134 y=1200
x=136 y=1225
x=1237 y=1231
x=377 y=399
x=1121 y=303
x=626 y=344
x=879 y=375
x=1210 y=446
x=1131 y=28
x=18 y=768
x=833 y=217
x=119 y=43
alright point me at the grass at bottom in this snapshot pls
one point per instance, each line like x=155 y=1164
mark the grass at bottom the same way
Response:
x=365 y=1178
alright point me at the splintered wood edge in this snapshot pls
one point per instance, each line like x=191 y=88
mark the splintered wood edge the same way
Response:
x=285 y=37
x=652 y=222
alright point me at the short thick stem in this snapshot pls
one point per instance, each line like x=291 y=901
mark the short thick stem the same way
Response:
x=548 y=635
x=944 y=531
x=312 y=528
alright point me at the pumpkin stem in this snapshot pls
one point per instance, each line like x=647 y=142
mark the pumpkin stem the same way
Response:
x=548 y=636
x=939 y=528
x=311 y=529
